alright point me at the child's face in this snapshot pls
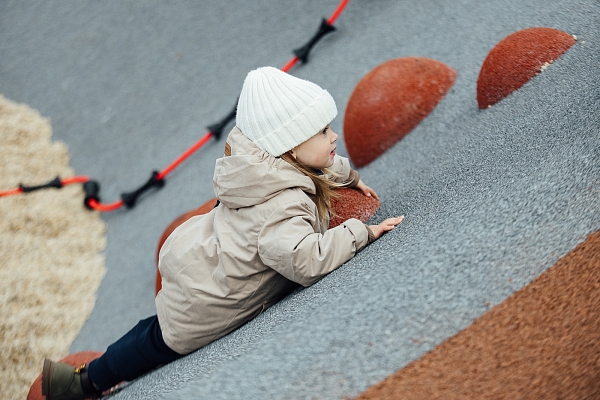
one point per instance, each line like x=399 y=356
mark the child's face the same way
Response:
x=319 y=150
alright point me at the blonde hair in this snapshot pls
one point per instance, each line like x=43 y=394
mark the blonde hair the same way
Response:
x=325 y=189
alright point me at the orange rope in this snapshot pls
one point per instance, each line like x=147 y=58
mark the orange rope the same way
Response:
x=105 y=207
x=96 y=205
x=64 y=182
x=184 y=156
x=337 y=12
x=289 y=64
x=11 y=192
x=75 y=179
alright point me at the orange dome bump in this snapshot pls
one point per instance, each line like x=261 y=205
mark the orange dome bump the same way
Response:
x=203 y=209
x=75 y=359
x=517 y=59
x=390 y=101
x=352 y=204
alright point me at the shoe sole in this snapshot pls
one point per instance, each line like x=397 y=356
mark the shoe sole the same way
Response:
x=46 y=378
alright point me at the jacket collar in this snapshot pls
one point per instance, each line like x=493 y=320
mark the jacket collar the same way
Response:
x=250 y=176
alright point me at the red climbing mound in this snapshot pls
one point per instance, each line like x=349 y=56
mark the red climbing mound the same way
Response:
x=390 y=101
x=75 y=359
x=517 y=59
x=203 y=209
x=352 y=204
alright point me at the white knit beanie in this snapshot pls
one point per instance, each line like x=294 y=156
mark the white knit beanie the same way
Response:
x=278 y=111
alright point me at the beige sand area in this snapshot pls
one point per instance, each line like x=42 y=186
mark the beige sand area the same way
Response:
x=50 y=251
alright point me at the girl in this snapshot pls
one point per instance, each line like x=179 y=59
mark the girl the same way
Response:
x=268 y=234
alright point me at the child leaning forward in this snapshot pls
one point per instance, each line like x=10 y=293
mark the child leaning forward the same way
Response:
x=267 y=235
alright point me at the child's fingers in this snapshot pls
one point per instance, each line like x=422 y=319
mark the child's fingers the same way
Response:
x=392 y=222
x=395 y=220
x=367 y=191
x=386 y=226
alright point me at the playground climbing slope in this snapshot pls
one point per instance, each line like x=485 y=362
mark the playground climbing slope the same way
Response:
x=493 y=198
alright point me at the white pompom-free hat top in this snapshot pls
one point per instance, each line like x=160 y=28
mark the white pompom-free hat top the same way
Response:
x=278 y=111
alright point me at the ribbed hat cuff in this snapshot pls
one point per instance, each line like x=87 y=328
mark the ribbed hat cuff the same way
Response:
x=304 y=126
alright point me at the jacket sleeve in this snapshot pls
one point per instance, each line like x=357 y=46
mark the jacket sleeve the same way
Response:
x=342 y=173
x=289 y=244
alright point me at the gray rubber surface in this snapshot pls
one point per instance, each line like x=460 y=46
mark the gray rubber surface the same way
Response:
x=492 y=198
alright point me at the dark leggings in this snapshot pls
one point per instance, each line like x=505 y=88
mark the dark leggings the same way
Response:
x=139 y=351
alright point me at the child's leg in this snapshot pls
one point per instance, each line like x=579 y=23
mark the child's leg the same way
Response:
x=139 y=351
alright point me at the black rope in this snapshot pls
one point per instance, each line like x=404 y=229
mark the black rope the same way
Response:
x=129 y=199
x=91 y=189
x=324 y=29
x=54 y=183
x=217 y=128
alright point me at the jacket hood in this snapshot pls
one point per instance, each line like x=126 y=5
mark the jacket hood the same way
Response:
x=250 y=176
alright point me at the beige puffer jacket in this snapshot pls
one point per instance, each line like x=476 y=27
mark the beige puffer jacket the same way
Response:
x=221 y=269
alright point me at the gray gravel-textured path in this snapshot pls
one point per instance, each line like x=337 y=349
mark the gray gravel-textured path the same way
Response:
x=492 y=198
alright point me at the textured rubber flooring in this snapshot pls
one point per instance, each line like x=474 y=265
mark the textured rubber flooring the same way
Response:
x=492 y=198
x=540 y=343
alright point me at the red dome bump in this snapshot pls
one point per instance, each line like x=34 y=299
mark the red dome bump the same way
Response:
x=352 y=204
x=390 y=101
x=517 y=59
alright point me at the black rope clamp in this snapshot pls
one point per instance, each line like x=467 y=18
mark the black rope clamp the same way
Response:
x=54 y=183
x=129 y=199
x=91 y=189
x=217 y=128
x=324 y=29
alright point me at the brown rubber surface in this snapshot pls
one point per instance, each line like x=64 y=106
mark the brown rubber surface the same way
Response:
x=352 y=203
x=390 y=101
x=517 y=59
x=543 y=342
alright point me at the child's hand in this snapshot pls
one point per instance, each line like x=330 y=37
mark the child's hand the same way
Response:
x=367 y=191
x=385 y=226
